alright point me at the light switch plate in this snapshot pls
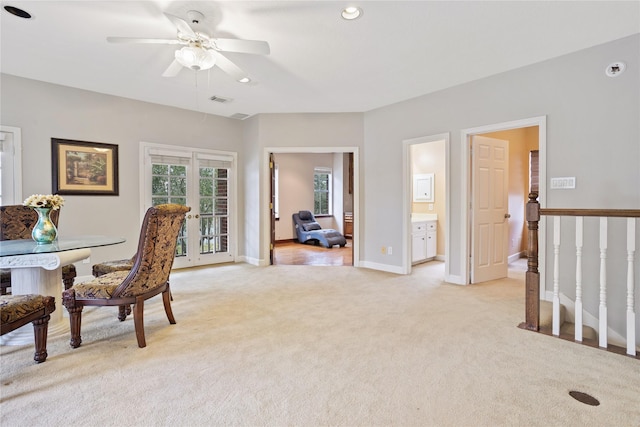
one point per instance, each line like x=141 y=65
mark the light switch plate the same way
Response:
x=563 y=183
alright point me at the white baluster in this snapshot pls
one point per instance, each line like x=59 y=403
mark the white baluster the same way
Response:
x=631 y=316
x=555 y=329
x=578 y=320
x=603 y=283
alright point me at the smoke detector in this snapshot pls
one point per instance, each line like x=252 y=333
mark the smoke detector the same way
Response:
x=615 y=69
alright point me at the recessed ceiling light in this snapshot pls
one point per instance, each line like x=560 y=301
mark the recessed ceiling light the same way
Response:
x=18 y=12
x=244 y=80
x=351 y=13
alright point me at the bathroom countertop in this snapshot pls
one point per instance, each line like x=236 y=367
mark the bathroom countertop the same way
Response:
x=421 y=217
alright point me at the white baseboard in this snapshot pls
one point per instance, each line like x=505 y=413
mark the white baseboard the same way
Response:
x=382 y=267
x=252 y=261
x=515 y=257
x=454 y=279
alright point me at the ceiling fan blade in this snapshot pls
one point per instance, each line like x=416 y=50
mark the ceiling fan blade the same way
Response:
x=136 y=40
x=229 y=67
x=241 y=46
x=173 y=69
x=181 y=25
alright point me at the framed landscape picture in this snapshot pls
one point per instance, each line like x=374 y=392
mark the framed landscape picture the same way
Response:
x=84 y=168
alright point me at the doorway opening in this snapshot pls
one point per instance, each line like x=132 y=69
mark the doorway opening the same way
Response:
x=294 y=186
x=524 y=137
x=426 y=201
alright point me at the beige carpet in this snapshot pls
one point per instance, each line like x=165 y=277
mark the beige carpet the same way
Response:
x=319 y=346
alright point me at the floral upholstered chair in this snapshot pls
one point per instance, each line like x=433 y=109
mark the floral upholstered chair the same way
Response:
x=18 y=310
x=106 y=267
x=16 y=222
x=148 y=277
x=110 y=266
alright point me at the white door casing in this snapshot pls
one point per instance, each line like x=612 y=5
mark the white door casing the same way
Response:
x=490 y=203
x=10 y=165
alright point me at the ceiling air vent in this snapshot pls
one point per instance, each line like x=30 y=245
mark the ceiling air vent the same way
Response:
x=239 y=116
x=219 y=99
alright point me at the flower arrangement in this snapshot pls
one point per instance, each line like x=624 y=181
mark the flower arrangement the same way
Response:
x=52 y=201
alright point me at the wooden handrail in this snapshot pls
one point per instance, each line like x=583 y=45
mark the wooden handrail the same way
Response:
x=618 y=213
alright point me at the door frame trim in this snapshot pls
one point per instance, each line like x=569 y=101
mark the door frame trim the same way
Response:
x=16 y=165
x=465 y=214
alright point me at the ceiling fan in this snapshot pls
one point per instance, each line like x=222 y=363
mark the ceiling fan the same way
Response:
x=201 y=51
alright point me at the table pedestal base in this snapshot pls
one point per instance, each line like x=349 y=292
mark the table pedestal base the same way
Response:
x=43 y=279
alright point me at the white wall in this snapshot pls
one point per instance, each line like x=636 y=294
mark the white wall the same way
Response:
x=592 y=134
x=43 y=111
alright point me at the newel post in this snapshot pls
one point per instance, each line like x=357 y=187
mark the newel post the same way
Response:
x=532 y=278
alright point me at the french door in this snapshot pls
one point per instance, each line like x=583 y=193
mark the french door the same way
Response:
x=203 y=180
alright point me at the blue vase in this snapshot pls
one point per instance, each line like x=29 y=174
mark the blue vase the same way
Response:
x=45 y=231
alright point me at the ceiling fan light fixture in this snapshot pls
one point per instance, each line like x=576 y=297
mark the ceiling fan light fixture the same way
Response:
x=350 y=13
x=195 y=58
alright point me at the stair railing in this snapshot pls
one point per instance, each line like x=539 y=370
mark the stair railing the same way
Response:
x=532 y=277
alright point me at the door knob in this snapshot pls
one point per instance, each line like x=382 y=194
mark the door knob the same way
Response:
x=507 y=215
x=189 y=216
x=197 y=216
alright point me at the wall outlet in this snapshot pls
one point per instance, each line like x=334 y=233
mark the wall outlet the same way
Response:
x=383 y=250
x=389 y=250
x=430 y=206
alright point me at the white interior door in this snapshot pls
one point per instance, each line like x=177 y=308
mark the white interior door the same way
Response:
x=489 y=208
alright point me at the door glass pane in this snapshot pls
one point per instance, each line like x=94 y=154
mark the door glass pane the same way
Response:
x=214 y=212
x=169 y=185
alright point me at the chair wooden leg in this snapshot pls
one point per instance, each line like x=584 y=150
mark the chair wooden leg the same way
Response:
x=40 y=329
x=68 y=283
x=166 y=299
x=138 y=321
x=75 y=316
x=123 y=312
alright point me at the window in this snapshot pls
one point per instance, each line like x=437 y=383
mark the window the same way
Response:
x=214 y=205
x=322 y=191
x=169 y=185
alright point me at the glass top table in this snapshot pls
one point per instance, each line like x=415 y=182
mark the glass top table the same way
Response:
x=36 y=269
x=61 y=244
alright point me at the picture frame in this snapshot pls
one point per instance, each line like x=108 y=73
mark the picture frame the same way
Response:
x=84 y=168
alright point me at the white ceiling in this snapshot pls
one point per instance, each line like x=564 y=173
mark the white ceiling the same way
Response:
x=318 y=63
